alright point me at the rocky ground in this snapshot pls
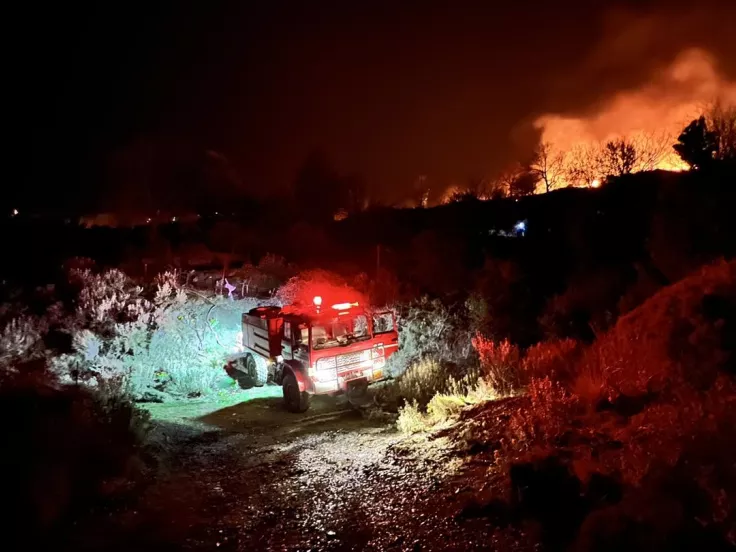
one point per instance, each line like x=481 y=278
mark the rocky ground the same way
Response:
x=250 y=476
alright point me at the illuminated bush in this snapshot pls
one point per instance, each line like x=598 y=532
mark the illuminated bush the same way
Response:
x=20 y=340
x=444 y=406
x=430 y=330
x=499 y=364
x=173 y=344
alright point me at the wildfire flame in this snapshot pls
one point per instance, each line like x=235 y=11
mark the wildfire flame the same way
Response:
x=660 y=108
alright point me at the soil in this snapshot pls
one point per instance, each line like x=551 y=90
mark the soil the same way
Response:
x=244 y=474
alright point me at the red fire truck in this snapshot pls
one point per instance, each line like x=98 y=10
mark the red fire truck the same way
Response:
x=316 y=349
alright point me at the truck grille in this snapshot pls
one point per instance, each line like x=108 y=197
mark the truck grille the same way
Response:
x=352 y=358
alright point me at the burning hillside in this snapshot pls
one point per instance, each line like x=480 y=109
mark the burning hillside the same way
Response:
x=650 y=117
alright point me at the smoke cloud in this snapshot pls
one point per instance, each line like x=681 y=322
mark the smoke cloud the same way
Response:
x=662 y=106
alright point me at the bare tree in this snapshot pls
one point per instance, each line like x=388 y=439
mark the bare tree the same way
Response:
x=547 y=166
x=618 y=157
x=582 y=166
x=503 y=184
x=651 y=149
x=721 y=121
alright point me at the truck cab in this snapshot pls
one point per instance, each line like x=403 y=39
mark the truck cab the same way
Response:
x=317 y=349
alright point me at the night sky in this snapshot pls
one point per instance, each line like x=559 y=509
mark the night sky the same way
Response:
x=388 y=90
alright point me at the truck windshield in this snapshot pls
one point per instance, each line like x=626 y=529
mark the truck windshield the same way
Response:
x=340 y=331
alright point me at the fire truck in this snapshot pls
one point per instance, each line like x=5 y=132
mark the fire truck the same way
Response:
x=315 y=349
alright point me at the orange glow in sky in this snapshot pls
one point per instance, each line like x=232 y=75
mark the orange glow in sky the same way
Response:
x=661 y=108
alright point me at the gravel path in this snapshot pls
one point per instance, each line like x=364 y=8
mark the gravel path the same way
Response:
x=252 y=477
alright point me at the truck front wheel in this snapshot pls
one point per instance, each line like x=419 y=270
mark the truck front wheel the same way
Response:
x=295 y=400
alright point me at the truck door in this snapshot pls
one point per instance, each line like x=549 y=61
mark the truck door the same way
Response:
x=300 y=335
x=384 y=328
x=287 y=344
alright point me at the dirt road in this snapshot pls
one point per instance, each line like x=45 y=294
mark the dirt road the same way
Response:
x=250 y=476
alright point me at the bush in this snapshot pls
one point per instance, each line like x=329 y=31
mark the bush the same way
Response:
x=587 y=308
x=64 y=450
x=682 y=335
x=646 y=416
x=20 y=340
x=500 y=365
x=151 y=344
x=554 y=359
x=430 y=330
x=445 y=406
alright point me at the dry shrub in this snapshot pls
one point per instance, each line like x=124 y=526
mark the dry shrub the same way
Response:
x=430 y=330
x=20 y=340
x=547 y=417
x=411 y=419
x=555 y=359
x=418 y=384
x=677 y=337
x=500 y=365
x=649 y=410
x=446 y=392
x=445 y=407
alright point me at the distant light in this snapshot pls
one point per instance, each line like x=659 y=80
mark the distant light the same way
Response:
x=520 y=226
x=173 y=219
x=317 y=300
x=148 y=220
x=217 y=213
x=15 y=212
x=595 y=184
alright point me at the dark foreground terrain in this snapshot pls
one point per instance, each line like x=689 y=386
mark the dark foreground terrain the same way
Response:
x=253 y=477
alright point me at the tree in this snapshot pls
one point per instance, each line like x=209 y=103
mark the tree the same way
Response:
x=651 y=149
x=547 y=165
x=523 y=184
x=697 y=145
x=497 y=190
x=721 y=121
x=619 y=157
x=582 y=166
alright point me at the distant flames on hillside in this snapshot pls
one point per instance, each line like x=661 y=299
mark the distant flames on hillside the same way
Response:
x=650 y=117
x=657 y=110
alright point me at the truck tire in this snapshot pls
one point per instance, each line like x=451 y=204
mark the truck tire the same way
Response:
x=295 y=400
x=256 y=369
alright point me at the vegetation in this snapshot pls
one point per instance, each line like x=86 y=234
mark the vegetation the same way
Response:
x=573 y=355
x=621 y=431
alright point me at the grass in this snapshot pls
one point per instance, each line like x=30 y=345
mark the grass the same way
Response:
x=176 y=411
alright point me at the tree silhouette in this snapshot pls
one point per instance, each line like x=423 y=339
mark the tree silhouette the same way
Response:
x=547 y=166
x=697 y=145
x=523 y=184
x=619 y=157
x=721 y=120
x=583 y=166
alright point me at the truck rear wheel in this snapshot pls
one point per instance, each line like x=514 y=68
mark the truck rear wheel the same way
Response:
x=295 y=400
x=252 y=371
x=256 y=369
